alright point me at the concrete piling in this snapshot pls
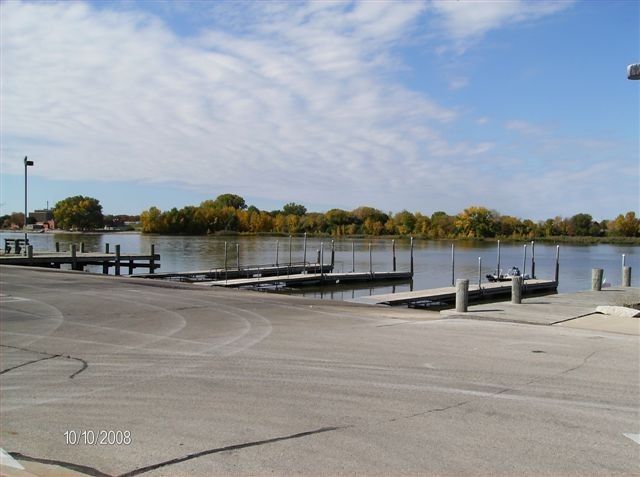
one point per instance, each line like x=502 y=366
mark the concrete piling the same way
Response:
x=462 y=295
x=516 y=290
x=596 y=279
x=626 y=276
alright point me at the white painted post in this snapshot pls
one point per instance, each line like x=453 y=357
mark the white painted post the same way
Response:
x=353 y=256
x=321 y=258
x=304 y=252
x=370 y=260
x=277 y=251
x=238 y=257
x=524 y=261
x=411 y=257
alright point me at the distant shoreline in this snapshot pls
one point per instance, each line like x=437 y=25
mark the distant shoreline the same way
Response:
x=581 y=240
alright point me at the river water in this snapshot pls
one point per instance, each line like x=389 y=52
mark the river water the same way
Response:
x=432 y=259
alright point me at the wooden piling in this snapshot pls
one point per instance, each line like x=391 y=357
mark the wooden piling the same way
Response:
x=393 y=249
x=411 y=257
x=152 y=260
x=117 y=262
x=462 y=295
x=626 y=276
x=596 y=279
x=516 y=290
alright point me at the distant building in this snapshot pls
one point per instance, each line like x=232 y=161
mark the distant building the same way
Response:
x=41 y=216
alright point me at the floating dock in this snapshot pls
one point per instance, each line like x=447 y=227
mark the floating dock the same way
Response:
x=245 y=272
x=308 y=279
x=448 y=294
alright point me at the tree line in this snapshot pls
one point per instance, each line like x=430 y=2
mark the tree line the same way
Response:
x=230 y=213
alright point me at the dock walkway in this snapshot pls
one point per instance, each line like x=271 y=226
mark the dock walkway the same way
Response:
x=448 y=294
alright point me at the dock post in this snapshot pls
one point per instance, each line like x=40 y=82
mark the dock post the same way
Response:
x=131 y=266
x=29 y=251
x=117 y=263
x=57 y=246
x=277 y=252
x=479 y=274
x=82 y=247
x=411 y=258
x=453 y=264
x=533 y=260
x=516 y=290
x=304 y=253
x=238 y=257
x=498 y=266
x=152 y=261
x=524 y=261
x=106 y=248
x=317 y=261
x=624 y=260
x=596 y=279
x=462 y=295
x=393 y=248
x=333 y=255
x=353 y=256
x=370 y=260
x=289 y=249
x=626 y=276
x=557 y=272
x=321 y=259
x=72 y=249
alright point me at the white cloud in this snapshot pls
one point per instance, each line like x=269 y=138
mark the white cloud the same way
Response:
x=524 y=127
x=466 y=21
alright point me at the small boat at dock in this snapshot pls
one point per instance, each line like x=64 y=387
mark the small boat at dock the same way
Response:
x=498 y=276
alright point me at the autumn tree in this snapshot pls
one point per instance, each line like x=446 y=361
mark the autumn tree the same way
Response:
x=78 y=212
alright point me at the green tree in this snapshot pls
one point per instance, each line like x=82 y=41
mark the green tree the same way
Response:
x=294 y=209
x=477 y=222
x=625 y=225
x=580 y=225
x=78 y=212
x=229 y=200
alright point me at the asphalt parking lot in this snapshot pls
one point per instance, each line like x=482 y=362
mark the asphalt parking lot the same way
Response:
x=225 y=382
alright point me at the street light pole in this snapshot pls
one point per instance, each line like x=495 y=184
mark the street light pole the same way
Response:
x=27 y=163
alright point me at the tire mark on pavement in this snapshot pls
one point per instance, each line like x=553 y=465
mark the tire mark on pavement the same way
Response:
x=85 y=365
x=67 y=465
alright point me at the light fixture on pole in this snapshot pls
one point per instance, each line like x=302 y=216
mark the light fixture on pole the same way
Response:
x=633 y=71
x=27 y=163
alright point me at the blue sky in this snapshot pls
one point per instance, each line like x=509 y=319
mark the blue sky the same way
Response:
x=519 y=106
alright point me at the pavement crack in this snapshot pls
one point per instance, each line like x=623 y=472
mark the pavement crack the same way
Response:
x=29 y=362
x=67 y=465
x=217 y=450
x=85 y=365
x=438 y=409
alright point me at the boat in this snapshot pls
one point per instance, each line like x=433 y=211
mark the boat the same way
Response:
x=498 y=276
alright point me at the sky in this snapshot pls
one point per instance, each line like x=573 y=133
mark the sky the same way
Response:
x=519 y=106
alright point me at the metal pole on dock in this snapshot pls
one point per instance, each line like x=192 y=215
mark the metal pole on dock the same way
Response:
x=289 y=250
x=321 y=258
x=557 y=272
x=238 y=257
x=498 y=267
x=370 y=260
x=304 y=253
x=106 y=248
x=524 y=261
x=225 y=261
x=333 y=255
x=453 y=264
x=624 y=260
x=82 y=250
x=393 y=248
x=411 y=258
x=353 y=256
x=479 y=273
x=277 y=251
x=57 y=246
x=533 y=259
x=29 y=251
